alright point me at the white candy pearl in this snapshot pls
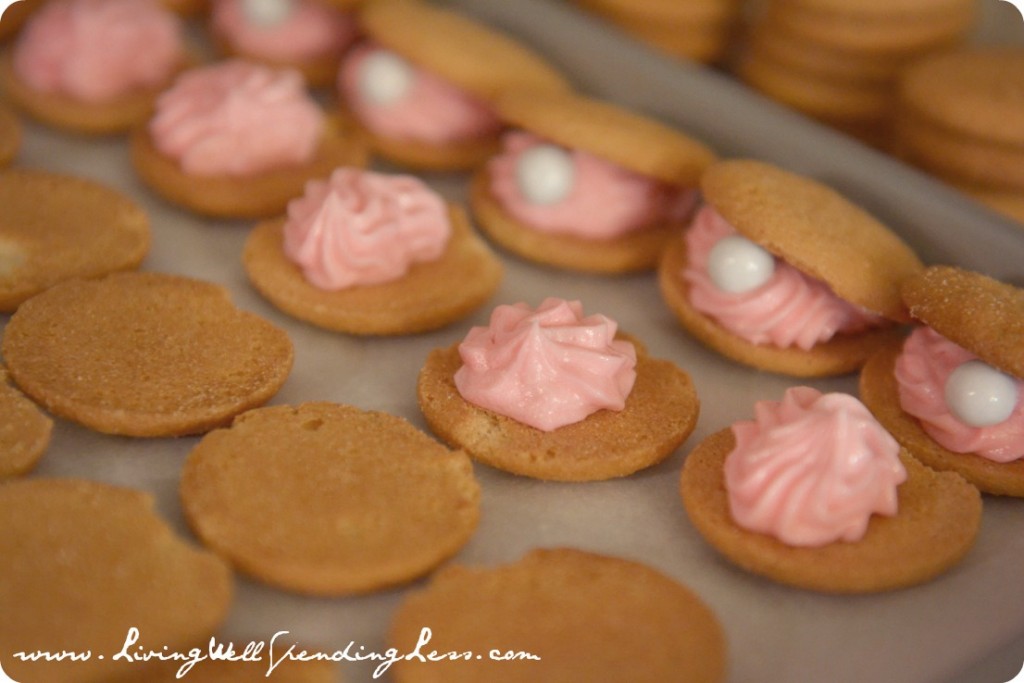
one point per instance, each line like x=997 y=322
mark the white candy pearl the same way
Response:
x=267 y=13
x=979 y=395
x=385 y=78
x=545 y=174
x=737 y=265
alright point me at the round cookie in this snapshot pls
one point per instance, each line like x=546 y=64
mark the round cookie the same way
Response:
x=581 y=615
x=56 y=227
x=660 y=413
x=389 y=503
x=938 y=519
x=74 y=550
x=24 y=432
x=431 y=295
x=10 y=135
x=144 y=354
x=254 y=196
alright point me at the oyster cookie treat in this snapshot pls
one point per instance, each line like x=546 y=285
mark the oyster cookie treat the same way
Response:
x=308 y=35
x=953 y=392
x=782 y=273
x=586 y=185
x=424 y=83
x=10 y=135
x=56 y=227
x=237 y=139
x=327 y=499
x=368 y=253
x=144 y=354
x=577 y=613
x=93 y=66
x=24 y=431
x=552 y=394
x=73 y=551
x=814 y=493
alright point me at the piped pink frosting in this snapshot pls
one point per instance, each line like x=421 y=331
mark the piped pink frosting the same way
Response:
x=922 y=370
x=433 y=111
x=548 y=367
x=312 y=30
x=97 y=50
x=606 y=200
x=364 y=228
x=812 y=469
x=237 y=118
x=790 y=309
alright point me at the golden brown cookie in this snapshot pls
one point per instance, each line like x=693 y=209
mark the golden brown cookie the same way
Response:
x=55 y=227
x=583 y=616
x=660 y=413
x=144 y=354
x=73 y=551
x=10 y=135
x=431 y=295
x=259 y=196
x=187 y=8
x=938 y=519
x=24 y=431
x=326 y=499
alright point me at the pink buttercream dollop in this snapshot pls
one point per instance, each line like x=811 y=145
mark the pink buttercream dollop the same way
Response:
x=790 y=309
x=433 y=110
x=97 y=50
x=311 y=30
x=364 y=228
x=812 y=469
x=237 y=118
x=604 y=202
x=548 y=367
x=922 y=370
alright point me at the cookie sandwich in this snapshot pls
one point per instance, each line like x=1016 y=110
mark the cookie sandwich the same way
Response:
x=586 y=185
x=782 y=273
x=423 y=83
x=953 y=392
x=552 y=394
x=814 y=493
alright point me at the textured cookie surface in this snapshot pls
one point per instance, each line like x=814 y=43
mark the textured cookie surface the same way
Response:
x=10 y=135
x=24 y=430
x=660 y=413
x=74 y=550
x=55 y=227
x=144 y=354
x=329 y=500
x=431 y=295
x=587 y=617
x=938 y=519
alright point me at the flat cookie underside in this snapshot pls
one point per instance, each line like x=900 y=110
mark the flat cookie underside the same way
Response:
x=455 y=155
x=938 y=519
x=660 y=413
x=432 y=294
x=880 y=392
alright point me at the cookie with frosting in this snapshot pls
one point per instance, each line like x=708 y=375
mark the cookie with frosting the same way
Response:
x=781 y=272
x=953 y=391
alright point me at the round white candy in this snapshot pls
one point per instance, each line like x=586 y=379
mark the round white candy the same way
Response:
x=267 y=13
x=979 y=395
x=545 y=174
x=737 y=265
x=385 y=78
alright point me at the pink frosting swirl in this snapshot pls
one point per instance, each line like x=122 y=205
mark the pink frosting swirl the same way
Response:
x=790 y=309
x=605 y=201
x=364 y=228
x=922 y=370
x=311 y=30
x=236 y=118
x=547 y=367
x=812 y=469
x=96 y=50
x=433 y=110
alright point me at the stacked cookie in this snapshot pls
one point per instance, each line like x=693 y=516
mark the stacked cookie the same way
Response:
x=958 y=117
x=838 y=61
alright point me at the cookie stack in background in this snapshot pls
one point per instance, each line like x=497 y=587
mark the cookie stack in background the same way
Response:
x=701 y=30
x=838 y=60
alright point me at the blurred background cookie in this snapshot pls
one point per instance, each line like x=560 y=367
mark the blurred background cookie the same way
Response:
x=10 y=135
x=24 y=431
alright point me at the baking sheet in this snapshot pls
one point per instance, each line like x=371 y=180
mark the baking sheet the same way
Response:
x=923 y=634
